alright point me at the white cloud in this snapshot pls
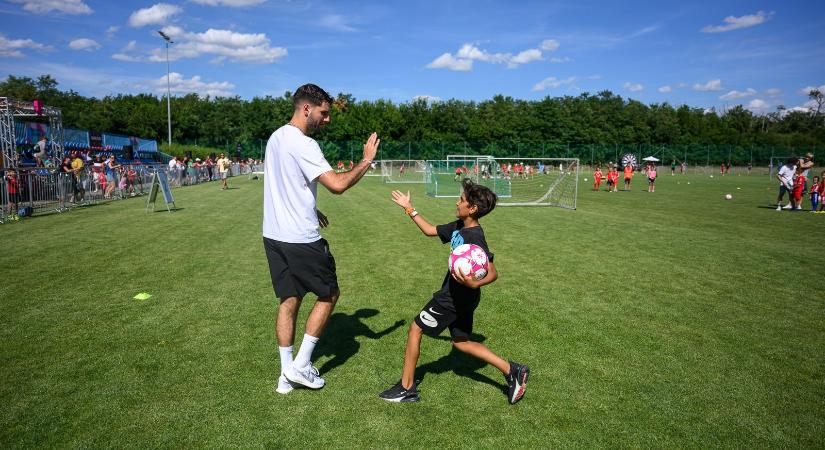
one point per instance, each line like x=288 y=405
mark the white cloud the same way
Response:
x=64 y=6
x=804 y=91
x=633 y=87
x=224 y=44
x=12 y=47
x=665 y=89
x=231 y=3
x=427 y=98
x=732 y=95
x=469 y=51
x=556 y=60
x=336 y=22
x=773 y=92
x=552 y=83
x=525 y=57
x=463 y=59
x=549 y=45
x=111 y=31
x=180 y=85
x=758 y=105
x=157 y=14
x=735 y=23
x=712 y=85
x=84 y=44
x=447 y=61
x=127 y=58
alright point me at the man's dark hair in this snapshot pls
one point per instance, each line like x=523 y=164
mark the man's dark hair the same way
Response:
x=312 y=94
x=479 y=196
x=792 y=160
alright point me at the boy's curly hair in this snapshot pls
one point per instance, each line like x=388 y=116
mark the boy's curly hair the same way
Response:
x=479 y=196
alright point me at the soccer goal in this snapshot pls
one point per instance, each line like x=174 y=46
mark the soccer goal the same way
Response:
x=403 y=170
x=516 y=181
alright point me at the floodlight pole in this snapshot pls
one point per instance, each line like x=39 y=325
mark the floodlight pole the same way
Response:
x=168 y=87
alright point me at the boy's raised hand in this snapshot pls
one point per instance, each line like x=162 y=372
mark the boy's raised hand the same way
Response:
x=401 y=199
x=371 y=147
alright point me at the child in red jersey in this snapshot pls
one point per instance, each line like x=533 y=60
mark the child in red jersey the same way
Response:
x=798 y=187
x=597 y=178
x=612 y=179
x=816 y=192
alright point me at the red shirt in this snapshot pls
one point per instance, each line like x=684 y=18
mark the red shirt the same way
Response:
x=817 y=188
x=11 y=185
x=597 y=174
x=628 y=172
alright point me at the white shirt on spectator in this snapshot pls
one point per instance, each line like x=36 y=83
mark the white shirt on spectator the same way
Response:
x=786 y=173
x=172 y=164
x=292 y=166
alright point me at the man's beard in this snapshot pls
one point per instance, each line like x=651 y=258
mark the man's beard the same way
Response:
x=313 y=125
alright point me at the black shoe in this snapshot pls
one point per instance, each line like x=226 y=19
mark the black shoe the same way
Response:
x=517 y=381
x=398 y=394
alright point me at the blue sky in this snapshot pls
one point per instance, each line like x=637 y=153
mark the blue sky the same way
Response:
x=705 y=54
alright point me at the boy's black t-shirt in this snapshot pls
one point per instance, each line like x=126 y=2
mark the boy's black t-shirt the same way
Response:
x=456 y=234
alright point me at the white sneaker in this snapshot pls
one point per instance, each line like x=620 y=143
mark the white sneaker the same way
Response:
x=307 y=376
x=284 y=386
x=778 y=208
x=788 y=206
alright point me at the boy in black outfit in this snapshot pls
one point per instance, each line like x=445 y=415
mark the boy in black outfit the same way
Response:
x=453 y=305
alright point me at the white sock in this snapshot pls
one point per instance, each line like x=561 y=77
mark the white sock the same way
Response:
x=286 y=358
x=305 y=352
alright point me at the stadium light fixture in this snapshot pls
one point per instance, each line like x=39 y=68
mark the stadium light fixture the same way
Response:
x=168 y=85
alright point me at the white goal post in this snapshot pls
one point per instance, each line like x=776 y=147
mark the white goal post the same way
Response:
x=516 y=181
x=403 y=170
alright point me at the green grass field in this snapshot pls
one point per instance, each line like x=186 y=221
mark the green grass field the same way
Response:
x=674 y=319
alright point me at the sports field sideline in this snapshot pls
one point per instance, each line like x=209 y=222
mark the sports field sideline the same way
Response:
x=673 y=319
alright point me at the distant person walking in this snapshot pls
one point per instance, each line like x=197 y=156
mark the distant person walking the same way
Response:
x=300 y=260
x=223 y=169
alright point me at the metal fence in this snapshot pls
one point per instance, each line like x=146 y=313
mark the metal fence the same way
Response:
x=38 y=191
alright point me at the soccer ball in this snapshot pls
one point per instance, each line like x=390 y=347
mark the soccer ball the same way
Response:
x=469 y=259
x=728 y=197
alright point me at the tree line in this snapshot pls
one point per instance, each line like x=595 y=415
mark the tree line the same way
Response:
x=603 y=119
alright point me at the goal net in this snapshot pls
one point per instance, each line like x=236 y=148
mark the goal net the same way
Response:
x=516 y=181
x=403 y=170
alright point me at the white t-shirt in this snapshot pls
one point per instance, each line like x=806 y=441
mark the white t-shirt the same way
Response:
x=172 y=164
x=291 y=170
x=786 y=174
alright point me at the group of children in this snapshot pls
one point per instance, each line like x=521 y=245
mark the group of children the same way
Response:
x=793 y=179
x=613 y=177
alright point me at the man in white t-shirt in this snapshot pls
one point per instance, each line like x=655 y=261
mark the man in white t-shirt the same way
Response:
x=785 y=177
x=299 y=259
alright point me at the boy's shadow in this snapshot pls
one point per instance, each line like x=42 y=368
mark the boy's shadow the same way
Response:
x=459 y=363
x=341 y=331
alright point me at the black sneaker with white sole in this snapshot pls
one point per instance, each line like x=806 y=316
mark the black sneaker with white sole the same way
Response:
x=517 y=381
x=399 y=394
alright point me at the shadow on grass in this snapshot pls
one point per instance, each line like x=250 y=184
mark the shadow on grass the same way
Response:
x=339 y=342
x=459 y=363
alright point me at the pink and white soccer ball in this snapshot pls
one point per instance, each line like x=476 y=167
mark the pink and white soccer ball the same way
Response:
x=469 y=259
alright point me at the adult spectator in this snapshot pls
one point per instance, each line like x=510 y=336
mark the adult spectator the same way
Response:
x=77 y=168
x=223 y=164
x=110 y=168
x=806 y=163
x=299 y=259
x=785 y=176
x=40 y=151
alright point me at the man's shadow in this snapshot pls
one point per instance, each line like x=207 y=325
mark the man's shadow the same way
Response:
x=459 y=363
x=342 y=329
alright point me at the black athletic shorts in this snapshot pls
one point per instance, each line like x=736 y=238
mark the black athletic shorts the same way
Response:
x=441 y=312
x=297 y=269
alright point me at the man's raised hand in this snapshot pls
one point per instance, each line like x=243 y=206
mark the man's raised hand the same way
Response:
x=371 y=147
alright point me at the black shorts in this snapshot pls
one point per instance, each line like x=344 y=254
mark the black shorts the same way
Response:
x=441 y=312
x=297 y=269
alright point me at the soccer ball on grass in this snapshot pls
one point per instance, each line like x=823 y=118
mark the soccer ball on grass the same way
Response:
x=469 y=259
